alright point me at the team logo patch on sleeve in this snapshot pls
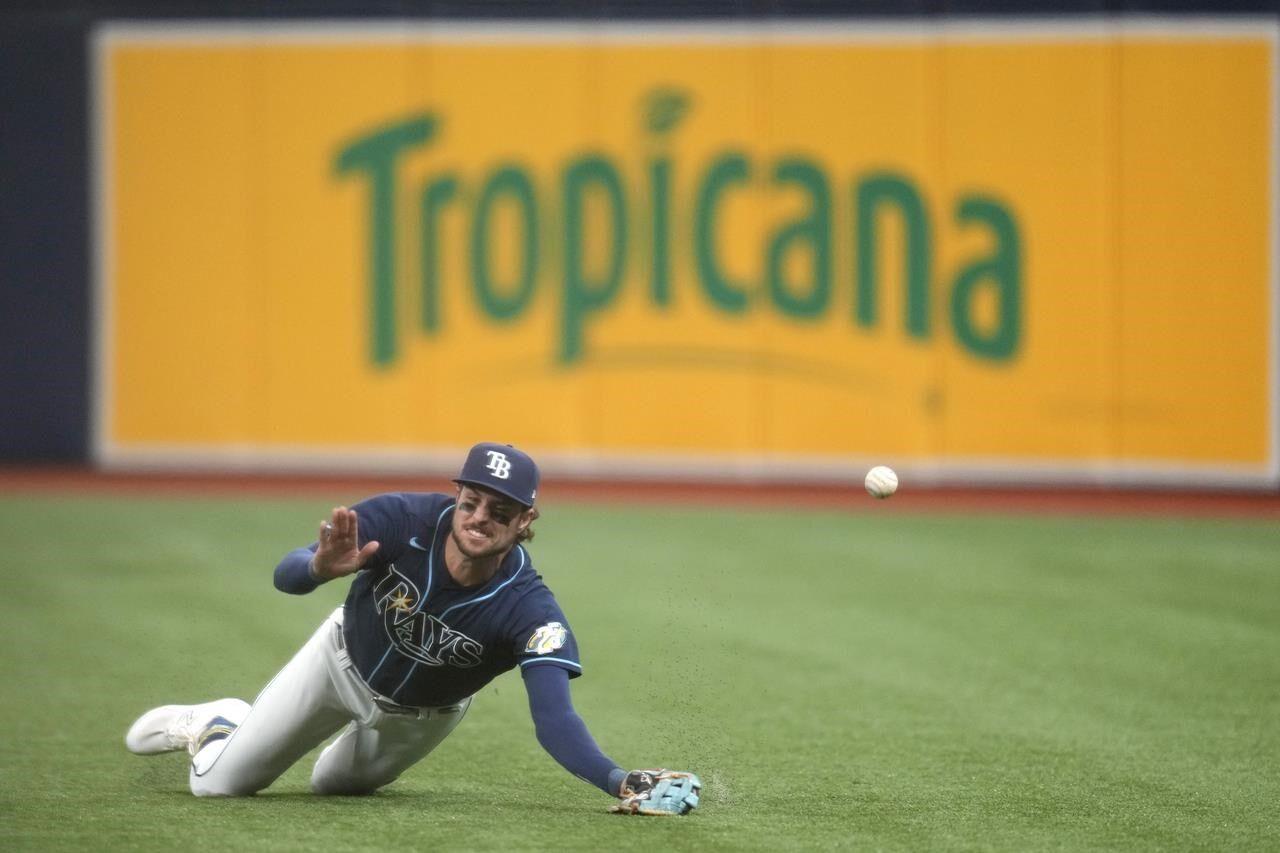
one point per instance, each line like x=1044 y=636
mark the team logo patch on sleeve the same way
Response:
x=547 y=639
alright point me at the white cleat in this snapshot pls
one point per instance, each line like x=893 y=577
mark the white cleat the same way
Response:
x=170 y=728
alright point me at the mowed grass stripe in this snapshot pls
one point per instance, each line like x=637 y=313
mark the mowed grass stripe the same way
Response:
x=872 y=681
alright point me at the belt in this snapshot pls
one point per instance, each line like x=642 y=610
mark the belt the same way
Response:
x=396 y=708
x=411 y=710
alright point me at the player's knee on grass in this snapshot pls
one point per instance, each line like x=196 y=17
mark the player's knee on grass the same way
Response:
x=352 y=766
x=330 y=781
x=203 y=786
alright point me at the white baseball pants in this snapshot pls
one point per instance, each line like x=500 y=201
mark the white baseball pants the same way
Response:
x=315 y=695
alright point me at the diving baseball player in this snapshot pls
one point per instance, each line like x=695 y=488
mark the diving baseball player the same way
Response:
x=445 y=598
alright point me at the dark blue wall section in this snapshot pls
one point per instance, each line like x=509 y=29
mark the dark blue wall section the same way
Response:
x=44 y=271
x=45 y=351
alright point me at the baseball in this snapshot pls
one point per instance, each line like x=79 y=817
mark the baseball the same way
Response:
x=881 y=482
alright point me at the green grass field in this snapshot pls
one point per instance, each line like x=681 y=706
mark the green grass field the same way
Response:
x=862 y=680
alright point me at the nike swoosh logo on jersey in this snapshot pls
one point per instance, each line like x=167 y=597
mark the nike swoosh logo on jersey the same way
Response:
x=414 y=543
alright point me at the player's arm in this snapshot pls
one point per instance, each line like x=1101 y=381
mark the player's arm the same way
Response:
x=564 y=735
x=562 y=732
x=293 y=573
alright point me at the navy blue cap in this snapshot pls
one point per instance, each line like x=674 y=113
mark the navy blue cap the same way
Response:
x=503 y=469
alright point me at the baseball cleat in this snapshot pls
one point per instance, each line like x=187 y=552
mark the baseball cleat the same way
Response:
x=170 y=728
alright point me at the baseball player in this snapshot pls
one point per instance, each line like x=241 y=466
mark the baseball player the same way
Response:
x=445 y=598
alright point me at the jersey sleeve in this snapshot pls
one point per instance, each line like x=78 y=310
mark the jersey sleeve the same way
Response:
x=543 y=636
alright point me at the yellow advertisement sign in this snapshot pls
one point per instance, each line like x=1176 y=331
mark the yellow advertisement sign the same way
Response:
x=1022 y=253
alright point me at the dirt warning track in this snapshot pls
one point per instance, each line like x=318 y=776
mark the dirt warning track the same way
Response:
x=79 y=480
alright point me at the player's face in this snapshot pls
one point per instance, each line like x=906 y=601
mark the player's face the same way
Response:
x=486 y=523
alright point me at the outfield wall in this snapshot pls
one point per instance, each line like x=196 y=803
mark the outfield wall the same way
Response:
x=1015 y=250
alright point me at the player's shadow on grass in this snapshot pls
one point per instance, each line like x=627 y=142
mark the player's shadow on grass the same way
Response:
x=169 y=791
x=454 y=800
x=450 y=801
x=164 y=781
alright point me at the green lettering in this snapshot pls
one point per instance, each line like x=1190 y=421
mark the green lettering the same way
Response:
x=874 y=192
x=728 y=169
x=584 y=295
x=1002 y=269
x=660 y=192
x=812 y=230
x=435 y=196
x=514 y=183
x=376 y=154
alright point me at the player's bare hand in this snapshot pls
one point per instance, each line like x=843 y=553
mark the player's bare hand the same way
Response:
x=339 y=552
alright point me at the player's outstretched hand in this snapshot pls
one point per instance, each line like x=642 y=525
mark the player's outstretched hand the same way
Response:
x=339 y=552
x=658 y=792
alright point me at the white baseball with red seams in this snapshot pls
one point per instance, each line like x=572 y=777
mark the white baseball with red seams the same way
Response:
x=881 y=482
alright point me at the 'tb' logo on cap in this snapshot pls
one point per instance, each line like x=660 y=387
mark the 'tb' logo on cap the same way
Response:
x=499 y=464
x=501 y=468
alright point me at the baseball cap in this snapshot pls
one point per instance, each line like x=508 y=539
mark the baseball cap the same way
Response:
x=503 y=469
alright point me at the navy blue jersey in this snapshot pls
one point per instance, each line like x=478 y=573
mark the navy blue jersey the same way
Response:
x=417 y=637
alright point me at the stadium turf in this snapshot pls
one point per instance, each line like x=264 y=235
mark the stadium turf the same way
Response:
x=867 y=680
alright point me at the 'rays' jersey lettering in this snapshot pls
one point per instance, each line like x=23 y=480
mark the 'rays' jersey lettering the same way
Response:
x=417 y=637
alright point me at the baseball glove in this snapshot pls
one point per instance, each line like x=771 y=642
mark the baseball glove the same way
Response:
x=658 y=792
